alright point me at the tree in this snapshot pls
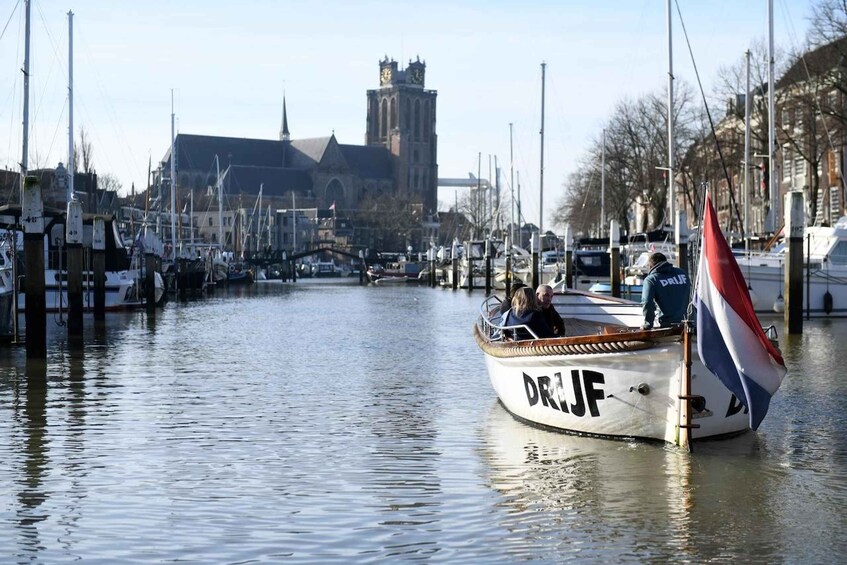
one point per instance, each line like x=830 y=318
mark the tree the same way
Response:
x=85 y=151
x=828 y=22
x=390 y=220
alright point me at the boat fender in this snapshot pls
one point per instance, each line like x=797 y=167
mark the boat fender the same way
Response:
x=827 y=302
x=642 y=388
x=779 y=304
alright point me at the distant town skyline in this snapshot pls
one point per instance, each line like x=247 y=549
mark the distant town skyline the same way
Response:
x=229 y=65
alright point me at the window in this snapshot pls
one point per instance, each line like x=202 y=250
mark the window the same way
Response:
x=417 y=119
x=210 y=220
x=383 y=119
x=786 y=163
x=839 y=254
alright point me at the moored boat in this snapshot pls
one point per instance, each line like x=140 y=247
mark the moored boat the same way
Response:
x=607 y=377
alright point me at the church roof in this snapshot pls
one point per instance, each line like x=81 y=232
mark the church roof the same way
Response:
x=312 y=148
x=369 y=162
x=277 y=181
x=197 y=152
x=815 y=63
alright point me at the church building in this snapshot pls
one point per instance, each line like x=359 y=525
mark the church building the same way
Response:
x=399 y=157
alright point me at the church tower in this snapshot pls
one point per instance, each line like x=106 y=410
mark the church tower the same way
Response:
x=401 y=117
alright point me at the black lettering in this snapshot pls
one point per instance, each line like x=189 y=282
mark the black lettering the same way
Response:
x=735 y=407
x=577 y=409
x=591 y=378
x=531 y=390
x=563 y=402
x=546 y=397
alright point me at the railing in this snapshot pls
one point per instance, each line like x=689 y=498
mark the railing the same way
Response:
x=493 y=331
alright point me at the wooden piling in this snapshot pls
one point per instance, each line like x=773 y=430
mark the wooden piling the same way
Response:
x=149 y=283
x=98 y=263
x=794 y=271
x=73 y=250
x=568 y=257
x=469 y=263
x=535 y=251
x=32 y=218
x=681 y=230
x=487 y=267
x=454 y=258
x=615 y=251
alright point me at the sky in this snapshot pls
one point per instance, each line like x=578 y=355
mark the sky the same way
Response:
x=228 y=64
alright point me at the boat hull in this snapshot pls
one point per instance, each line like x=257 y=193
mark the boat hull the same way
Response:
x=631 y=394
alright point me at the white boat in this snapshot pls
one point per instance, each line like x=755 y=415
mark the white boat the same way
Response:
x=7 y=287
x=824 y=273
x=607 y=377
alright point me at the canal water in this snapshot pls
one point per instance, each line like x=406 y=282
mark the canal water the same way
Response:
x=327 y=422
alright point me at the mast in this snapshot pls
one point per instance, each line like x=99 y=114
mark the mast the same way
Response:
x=25 y=149
x=746 y=228
x=541 y=179
x=71 y=106
x=173 y=178
x=603 y=185
x=512 y=183
x=671 y=191
x=774 y=201
x=220 y=202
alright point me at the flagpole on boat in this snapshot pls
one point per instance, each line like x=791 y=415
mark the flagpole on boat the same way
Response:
x=684 y=435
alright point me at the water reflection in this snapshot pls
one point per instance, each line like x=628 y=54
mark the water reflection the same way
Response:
x=318 y=423
x=637 y=501
x=35 y=461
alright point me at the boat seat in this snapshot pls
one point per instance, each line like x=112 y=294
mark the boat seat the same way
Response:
x=577 y=327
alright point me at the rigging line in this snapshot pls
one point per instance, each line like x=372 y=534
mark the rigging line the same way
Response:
x=732 y=199
x=14 y=9
x=695 y=251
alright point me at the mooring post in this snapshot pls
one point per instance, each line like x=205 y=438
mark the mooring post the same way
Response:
x=432 y=258
x=535 y=251
x=487 y=267
x=615 y=251
x=149 y=282
x=454 y=258
x=568 y=257
x=794 y=272
x=73 y=249
x=32 y=218
x=682 y=242
x=508 y=249
x=98 y=263
x=469 y=263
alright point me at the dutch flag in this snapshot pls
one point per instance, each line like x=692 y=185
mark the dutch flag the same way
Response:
x=730 y=340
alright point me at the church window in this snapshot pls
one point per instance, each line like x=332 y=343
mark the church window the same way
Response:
x=383 y=119
x=416 y=156
x=417 y=119
x=416 y=185
x=393 y=123
x=210 y=221
x=427 y=125
x=407 y=115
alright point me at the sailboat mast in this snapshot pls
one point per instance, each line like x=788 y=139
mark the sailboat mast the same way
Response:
x=541 y=179
x=511 y=183
x=173 y=177
x=747 y=156
x=603 y=185
x=220 y=202
x=774 y=201
x=670 y=172
x=70 y=106
x=25 y=149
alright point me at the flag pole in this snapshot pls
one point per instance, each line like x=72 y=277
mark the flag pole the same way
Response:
x=685 y=397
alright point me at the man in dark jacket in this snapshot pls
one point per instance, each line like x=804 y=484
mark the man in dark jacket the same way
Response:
x=668 y=288
x=544 y=293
